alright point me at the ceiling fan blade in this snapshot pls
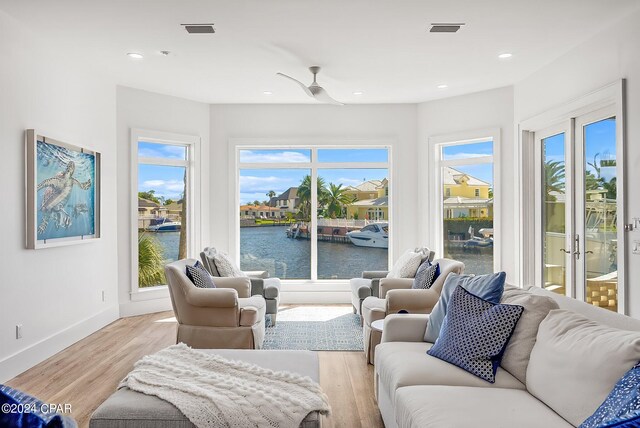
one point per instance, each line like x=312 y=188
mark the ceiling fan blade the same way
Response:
x=322 y=96
x=302 y=85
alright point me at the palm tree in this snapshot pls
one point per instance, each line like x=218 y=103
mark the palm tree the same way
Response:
x=150 y=261
x=553 y=178
x=304 y=194
x=271 y=194
x=337 y=198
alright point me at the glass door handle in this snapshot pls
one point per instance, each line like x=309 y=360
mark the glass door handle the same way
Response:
x=565 y=251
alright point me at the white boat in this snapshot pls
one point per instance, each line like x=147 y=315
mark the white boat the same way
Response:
x=374 y=235
x=164 y=225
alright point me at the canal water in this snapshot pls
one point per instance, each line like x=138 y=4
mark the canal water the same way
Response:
x=268 y=248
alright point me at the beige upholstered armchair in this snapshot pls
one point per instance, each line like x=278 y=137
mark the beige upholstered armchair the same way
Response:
x=223 y=317
x=396 y=294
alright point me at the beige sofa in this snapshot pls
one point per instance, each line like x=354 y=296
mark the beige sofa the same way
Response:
x=224 y=317
x=542 y=388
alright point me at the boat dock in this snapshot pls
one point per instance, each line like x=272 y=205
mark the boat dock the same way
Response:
x=325 y=233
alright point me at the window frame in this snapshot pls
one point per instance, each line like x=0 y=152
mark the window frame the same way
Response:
x=436 y=143
x=610 y=97
x=238 y=144
x=192 y=164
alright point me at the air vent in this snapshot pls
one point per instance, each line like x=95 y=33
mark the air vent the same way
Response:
x=445 y=28
x=199 y=28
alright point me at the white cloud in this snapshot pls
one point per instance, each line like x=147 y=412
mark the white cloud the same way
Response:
x=164 y=151
x=249 y=156
x=164 y=188
x=348 y=181
x=250 y=183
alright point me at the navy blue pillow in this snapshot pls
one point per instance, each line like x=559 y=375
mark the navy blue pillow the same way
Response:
x=476 y=334
x=199 y=276
x=35 y=414
x=426 y=275
x=489 y=287
x=621 y=408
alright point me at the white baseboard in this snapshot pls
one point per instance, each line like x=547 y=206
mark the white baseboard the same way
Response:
x=320 y=297
x=142 y=307
x=25 y=359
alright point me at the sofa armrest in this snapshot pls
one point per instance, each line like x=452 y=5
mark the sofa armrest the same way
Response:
x=413 y=301
x=372 y=274
x=212 y=297
x=249 y=316
x=404 y=328
x=257 y=274
x=388 y=284
x=242 y=285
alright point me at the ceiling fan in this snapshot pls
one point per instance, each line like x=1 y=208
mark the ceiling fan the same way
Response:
x=314 y=90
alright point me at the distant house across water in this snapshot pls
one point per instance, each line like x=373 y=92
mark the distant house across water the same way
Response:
x=465 y=195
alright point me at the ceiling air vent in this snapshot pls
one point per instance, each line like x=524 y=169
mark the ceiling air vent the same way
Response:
x=199 y=28
x=445 y=28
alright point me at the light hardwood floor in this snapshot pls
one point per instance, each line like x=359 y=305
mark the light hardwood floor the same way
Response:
x=86 y=373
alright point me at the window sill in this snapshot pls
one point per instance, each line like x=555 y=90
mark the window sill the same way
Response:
x=150 y=293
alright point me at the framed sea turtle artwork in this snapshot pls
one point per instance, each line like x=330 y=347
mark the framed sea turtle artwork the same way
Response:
x=63 y=192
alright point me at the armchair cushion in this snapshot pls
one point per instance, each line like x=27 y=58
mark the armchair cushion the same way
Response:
x=252 y=310
x=199 y=276
x=241 y=285
x=224 y=265
x=406 y=265
x=426 y=275
x=271 y=288
x=211 y=297
x=388 y=284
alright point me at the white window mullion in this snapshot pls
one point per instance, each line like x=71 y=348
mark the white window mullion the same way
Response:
x=314 y=215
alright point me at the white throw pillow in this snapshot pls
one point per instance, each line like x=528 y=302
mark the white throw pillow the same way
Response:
x=576 y=362
x=225 y=265
x=536 y=308
x=406 y=265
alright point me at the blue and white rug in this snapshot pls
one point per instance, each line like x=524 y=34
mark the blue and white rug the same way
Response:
x=315 y=328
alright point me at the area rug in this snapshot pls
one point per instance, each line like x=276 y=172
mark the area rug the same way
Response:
x=315 y=328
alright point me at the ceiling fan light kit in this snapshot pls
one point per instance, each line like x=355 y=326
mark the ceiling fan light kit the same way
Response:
x=314 y=90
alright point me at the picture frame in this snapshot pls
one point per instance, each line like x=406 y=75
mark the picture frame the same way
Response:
x=62 y=192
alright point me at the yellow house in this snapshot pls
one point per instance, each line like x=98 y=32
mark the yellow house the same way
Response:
x=465 y=195
x=371 y=200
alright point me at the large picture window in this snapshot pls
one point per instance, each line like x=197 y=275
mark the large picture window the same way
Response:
x=161 y=221
x=466 y=186
x=314 y=213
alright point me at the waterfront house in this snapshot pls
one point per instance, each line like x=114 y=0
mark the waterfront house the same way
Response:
x=371 y=200
x=287 y=200
x=465 y=195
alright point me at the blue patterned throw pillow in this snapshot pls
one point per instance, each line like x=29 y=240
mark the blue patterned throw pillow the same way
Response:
x=488 y=287
x=199 y=276
x=621 y=408
x=476 y=334
x=20 y=410
x=426 y=275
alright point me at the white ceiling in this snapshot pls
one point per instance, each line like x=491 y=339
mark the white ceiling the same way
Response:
x=380 y=47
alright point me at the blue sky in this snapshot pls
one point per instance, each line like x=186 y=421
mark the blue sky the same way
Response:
x=167 y=181
x=304 y=155
x=483 y=172
x=600 y=139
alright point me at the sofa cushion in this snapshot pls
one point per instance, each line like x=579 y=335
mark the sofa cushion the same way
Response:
x=487 y=287
x=224 y=264
x=475 y=334
x=536 y=308
x=401 y=364
x=622 y=405
x=462 y=407
x=406 y=265
x=426 y=275
x=576 y=362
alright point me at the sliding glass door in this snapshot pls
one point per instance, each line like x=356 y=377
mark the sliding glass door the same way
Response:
x=577 y=206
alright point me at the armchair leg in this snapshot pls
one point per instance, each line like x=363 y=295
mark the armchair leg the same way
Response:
x=273 y=320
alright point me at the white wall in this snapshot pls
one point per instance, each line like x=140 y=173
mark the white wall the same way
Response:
x=606 y=58
x=55 y=293
x=156 y=112
x=467 y=114
x=306 y=123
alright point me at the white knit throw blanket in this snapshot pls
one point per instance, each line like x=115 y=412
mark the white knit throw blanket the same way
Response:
x=213 y=391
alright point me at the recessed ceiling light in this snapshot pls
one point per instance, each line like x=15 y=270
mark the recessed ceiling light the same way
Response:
x=135 y=55
x=358 y=93
x=267 y=92
x=505 y=55
x=443 y=86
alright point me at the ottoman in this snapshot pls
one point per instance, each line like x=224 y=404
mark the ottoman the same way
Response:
x=129 y=409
